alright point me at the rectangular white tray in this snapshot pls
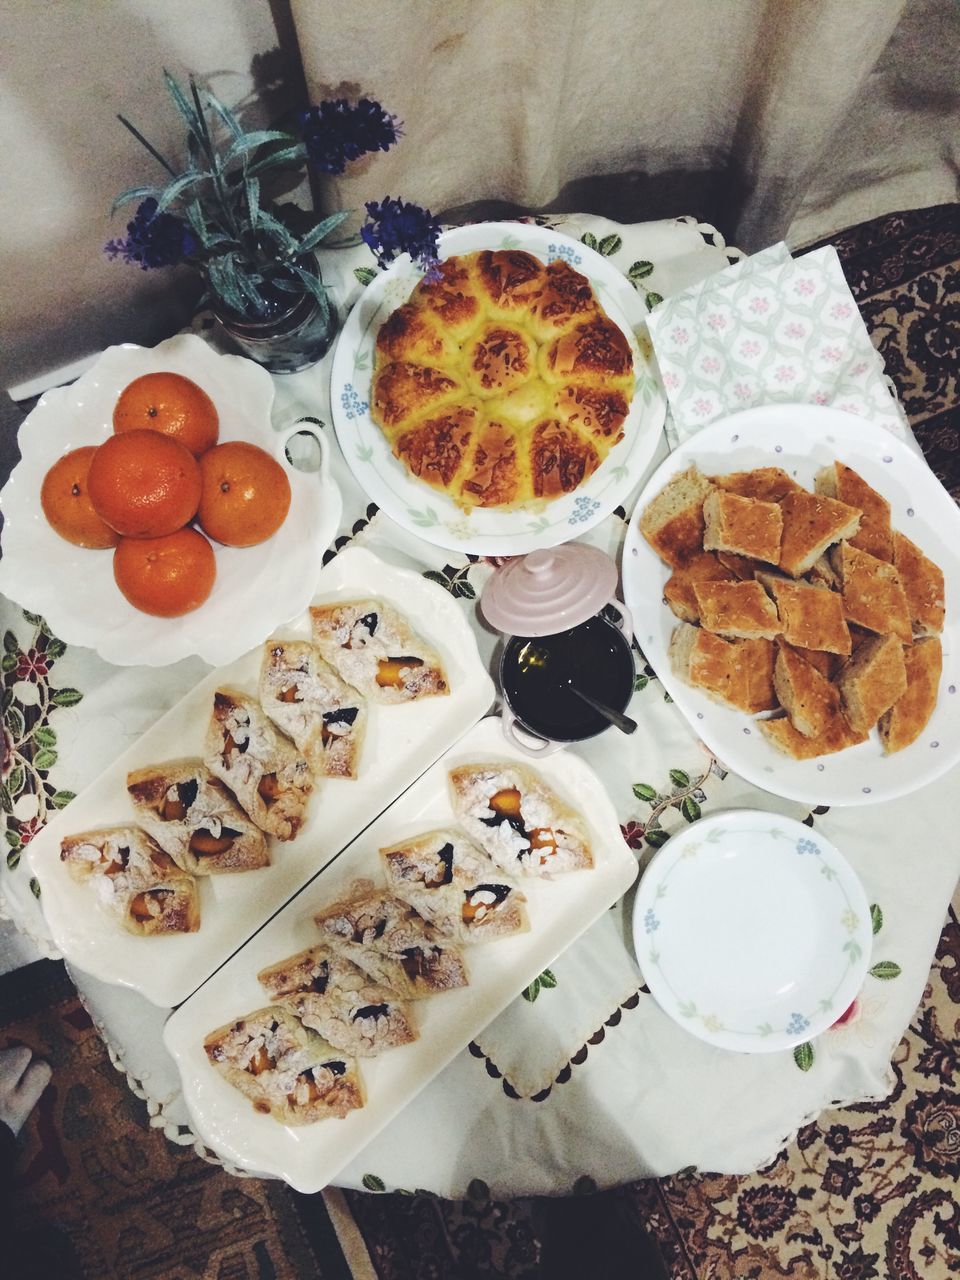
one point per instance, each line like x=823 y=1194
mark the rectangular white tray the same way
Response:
x=401 y=741
x=559 y=910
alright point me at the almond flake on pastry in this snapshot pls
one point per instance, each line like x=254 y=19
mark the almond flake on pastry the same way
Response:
x=455 y=886
x=305 y=697
x=193 y=816
x=262 y=768
x=134 y=880
x=286 y=1070
x=375 y=649
x=522 y=824
x=390 y=942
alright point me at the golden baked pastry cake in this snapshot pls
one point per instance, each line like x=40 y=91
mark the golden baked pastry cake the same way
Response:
x=502 y=382
x=304 y=696
x=373 y=647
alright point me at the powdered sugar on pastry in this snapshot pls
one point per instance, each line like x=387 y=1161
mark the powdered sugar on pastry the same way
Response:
x=374 y=649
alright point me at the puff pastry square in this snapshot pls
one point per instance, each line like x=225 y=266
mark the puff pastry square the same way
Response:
x=285 y=1069
x=455 y=886
x=518 y=820
x=375 y=649
x=303 y=695
x=390 y=942
x=263 y=769
x=193 y=816
x=135 y=882
x=337 y=999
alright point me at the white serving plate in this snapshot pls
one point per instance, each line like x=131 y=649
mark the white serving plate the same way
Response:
x=801 y=439
x=752 y=931
x=559 y=910
x=432 y=515
x=257 y=588
x=401 y=741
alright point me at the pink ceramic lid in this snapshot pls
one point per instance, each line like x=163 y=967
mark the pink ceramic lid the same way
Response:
x=549 y=590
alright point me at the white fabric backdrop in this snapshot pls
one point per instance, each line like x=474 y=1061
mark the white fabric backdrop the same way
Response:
x=735 y=100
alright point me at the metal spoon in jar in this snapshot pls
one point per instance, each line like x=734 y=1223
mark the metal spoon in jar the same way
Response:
x=616 y=718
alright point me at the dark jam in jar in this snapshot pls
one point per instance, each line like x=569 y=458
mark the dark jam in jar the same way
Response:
x=536 y=675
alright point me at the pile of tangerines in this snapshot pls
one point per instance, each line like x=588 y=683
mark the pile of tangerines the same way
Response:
x=142 y=489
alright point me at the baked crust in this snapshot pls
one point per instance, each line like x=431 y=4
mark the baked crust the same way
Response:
x=769 y=484
x=908 y=717
x=809 y=699
x=503 y=382
x=811 y=524
x=193 y=816
x=838 y=735
x=286 y=1070
x=872 y=594
x=843 y=483
x=134 y=880
x=742 y=526
x=736 y=610
x=454 y=886
x=736 y=673
x=922 y=582
x=373 y=647
x=263 y=769
x=384 y=937
x=305 y=697
x=510 y=812
x=334 y=997
x=811 y=617
x=678 y=590
x=673 y=521
x=872 y=681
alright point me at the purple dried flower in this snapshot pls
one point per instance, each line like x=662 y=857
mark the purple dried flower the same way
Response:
x=336 y=132
x=393 y=227
x=153 y=239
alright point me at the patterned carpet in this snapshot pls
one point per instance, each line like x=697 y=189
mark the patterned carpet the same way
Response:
x=867 y=1193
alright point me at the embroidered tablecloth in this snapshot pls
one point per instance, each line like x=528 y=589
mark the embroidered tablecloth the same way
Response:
x=582 y=1081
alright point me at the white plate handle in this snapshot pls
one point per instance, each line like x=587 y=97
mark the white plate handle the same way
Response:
x=309 y=426
x=530 y=743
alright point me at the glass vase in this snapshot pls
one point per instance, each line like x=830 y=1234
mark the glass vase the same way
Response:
x=287 y=340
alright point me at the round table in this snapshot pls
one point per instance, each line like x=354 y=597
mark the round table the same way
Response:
x=583 y=1081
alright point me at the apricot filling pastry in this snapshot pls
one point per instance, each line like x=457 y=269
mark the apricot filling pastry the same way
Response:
x=375 y=649
x=135 y=882
x=522 y=824
x=263 y=769
x=305 y=697
x=454 y=886
x=193 y=816
x=335 y=998
x=285 y=1069
x=502 y=382
x=387 y=939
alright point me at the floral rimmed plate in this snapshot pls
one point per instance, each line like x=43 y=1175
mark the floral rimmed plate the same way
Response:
x=432 y=515
x=256 y=589
x=801 y=439
x=752 y=931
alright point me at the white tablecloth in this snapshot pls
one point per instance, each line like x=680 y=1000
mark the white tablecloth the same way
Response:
x=588 y=1078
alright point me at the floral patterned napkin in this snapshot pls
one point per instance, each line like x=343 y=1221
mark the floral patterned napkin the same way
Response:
x=771 y=329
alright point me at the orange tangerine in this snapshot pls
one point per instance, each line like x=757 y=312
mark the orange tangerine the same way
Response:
x=246 y=494
x=171 y=404
x=65 y=501
x=144 y=484
x=166 y=576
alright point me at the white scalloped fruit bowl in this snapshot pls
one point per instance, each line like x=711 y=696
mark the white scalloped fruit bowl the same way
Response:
x=257 y=588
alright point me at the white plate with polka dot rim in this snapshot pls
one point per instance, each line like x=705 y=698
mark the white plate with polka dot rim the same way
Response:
x=431 y=515
x=802 y=439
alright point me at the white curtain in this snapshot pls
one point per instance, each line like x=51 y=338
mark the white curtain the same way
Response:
x=633 y=108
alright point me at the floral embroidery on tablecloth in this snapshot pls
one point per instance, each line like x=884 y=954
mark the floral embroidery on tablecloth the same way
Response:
x=27 y=796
